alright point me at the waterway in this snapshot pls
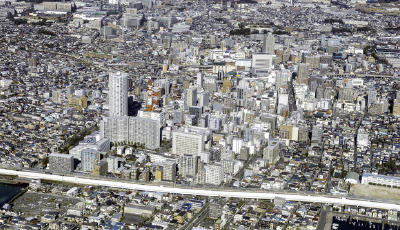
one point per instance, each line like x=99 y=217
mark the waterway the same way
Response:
x=9 y=191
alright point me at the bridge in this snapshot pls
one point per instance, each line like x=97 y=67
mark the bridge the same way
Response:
x=202 y=192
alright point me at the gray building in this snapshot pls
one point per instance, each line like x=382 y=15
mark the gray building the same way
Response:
x=61 y=162
x=188 y=165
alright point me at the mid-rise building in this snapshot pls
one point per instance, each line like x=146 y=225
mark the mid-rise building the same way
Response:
x=214 y=174
x=190 y=97
x=303 y=74
x=169 y=171
x=77 y=102
x=187 y=165
x=190 y=141
x=89 y=158
x=268 y=44
x=271 y=152
x=61 y=162
x=100 y=168
x=262 y=63
x=94 y=141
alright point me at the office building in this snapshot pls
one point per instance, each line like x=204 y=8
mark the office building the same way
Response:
x=204 y=99
x=178 y=116
x=61 y=162
x=199 y=80
x=118 y=94
x=221 y=75
x=89 y=158
x=371 y=97
x=227 y=86
x=316 y=135
x=196 y=111
x=346 y=94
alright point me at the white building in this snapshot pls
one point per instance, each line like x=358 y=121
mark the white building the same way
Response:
x=94 y=141
x=369 y=178
x=362 y=139
x=262 y=63
x=118 y=94
x=214 y=174
x=132 y=129
x=190 y=141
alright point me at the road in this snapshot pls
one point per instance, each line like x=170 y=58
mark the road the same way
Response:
x=203 y=192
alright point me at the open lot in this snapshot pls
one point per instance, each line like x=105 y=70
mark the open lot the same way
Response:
x=33 y=203
x=375 y=191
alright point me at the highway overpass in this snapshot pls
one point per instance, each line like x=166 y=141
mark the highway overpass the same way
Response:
x=202 y=192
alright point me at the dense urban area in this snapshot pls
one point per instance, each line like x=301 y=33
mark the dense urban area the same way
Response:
x=289 y=97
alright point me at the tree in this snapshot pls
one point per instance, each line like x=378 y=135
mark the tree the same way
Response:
x=45 y=162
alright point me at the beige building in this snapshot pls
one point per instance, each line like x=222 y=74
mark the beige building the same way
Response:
x=77 y=102
x=101 y=168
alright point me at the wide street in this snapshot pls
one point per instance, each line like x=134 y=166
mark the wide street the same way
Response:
x=203 y=192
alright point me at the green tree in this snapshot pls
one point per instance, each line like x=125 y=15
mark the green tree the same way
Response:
x=45 y=161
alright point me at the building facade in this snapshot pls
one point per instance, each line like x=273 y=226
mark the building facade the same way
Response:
x=118 y=94
x=61 y=162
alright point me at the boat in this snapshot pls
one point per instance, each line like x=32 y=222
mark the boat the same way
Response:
x=335 y=226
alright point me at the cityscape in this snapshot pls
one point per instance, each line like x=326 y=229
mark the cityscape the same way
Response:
x=200 y=114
